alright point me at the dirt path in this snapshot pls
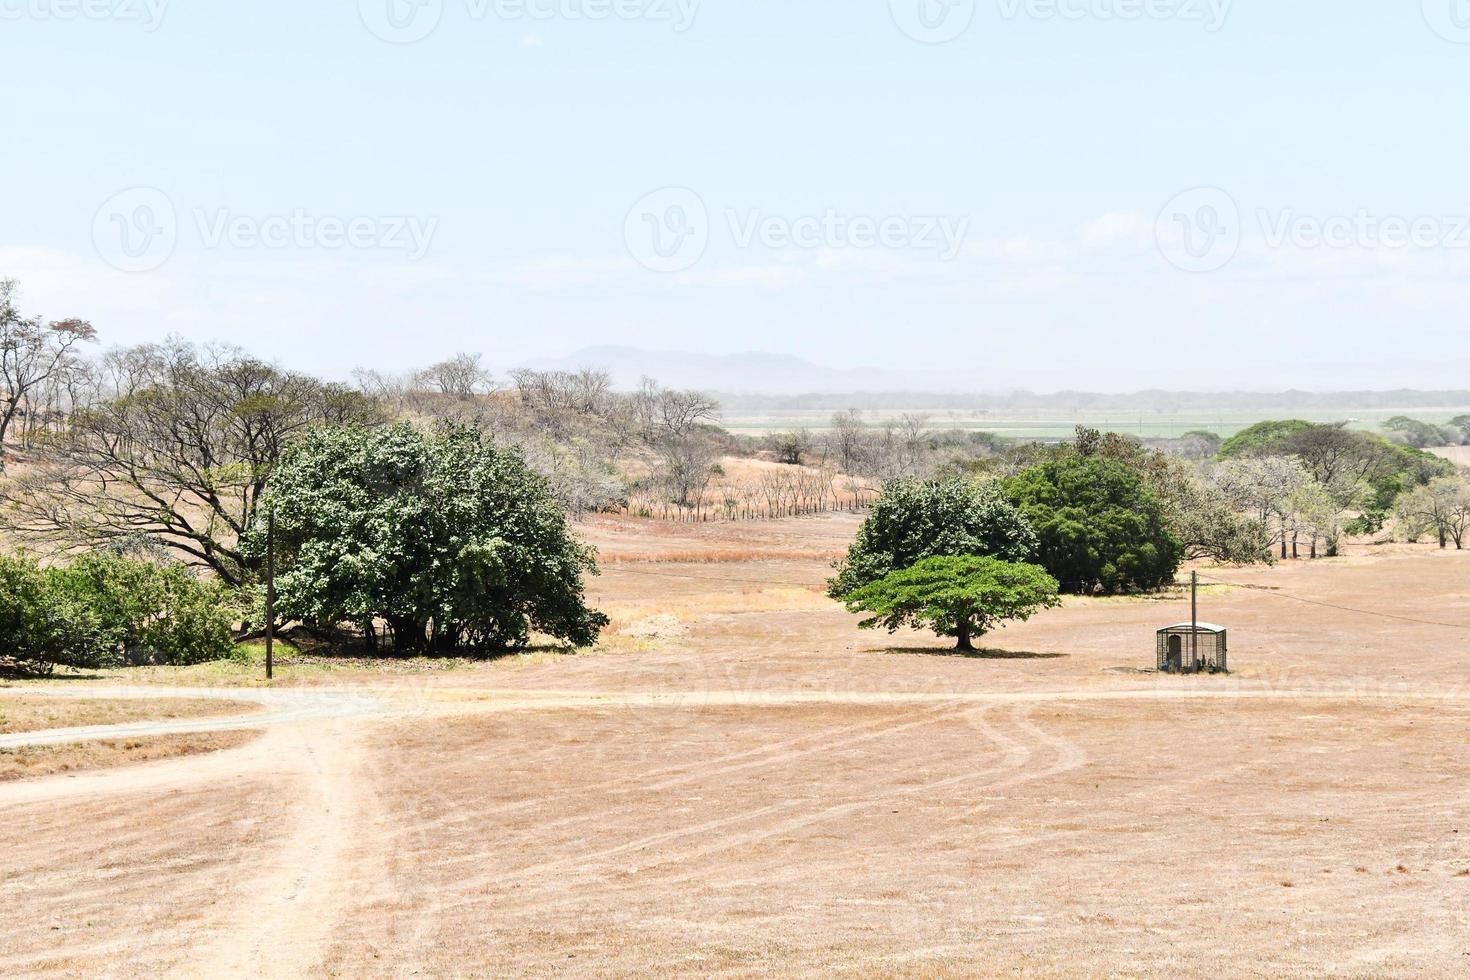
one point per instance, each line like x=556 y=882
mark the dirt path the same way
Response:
x=302 y=882
x=287 y=707
x=771 y=792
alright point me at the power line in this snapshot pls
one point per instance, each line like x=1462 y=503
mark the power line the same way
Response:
x=1269 y=590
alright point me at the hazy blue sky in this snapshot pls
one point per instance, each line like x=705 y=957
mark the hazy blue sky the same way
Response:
x=335 y=182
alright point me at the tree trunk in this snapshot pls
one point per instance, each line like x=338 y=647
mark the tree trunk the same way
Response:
x=965 y=645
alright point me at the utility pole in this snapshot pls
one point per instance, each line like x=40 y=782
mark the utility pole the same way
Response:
x=1194 y=618
x=270 y=593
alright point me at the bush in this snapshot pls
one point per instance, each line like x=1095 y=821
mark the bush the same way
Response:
x=1100 y=528
x=914 y=520
x=962 y=597
x=43 y=625
x=153 y=614
x=450 y=541
x=105 y=610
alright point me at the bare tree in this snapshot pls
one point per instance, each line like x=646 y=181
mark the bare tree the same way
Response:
x=32 y=354
x=176 y=447
x=791 y=448
x=1441 y=508
x=462 y=376
x=1268 y=488
x=848 y=441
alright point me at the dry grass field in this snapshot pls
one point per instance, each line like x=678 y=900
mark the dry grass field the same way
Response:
x=741 y=783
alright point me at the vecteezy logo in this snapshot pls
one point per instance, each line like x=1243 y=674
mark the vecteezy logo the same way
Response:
x=933 y=21
x=1450 y=19
x=136 y=230
x=1199 y=230
x=668 y=230
x=401 y=21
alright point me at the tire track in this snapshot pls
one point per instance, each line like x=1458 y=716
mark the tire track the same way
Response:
x=1015 y=754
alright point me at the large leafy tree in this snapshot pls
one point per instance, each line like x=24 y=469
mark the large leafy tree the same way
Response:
x=1100 y=528
x=960 y=596
x=914 y=520
x=449 y=541
x=1203 y=518
x=1342 y=460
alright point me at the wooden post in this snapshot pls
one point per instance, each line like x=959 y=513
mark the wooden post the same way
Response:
x=270 y=594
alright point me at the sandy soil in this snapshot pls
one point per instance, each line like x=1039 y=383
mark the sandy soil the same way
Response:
x=756 y=787
x=1459 y=455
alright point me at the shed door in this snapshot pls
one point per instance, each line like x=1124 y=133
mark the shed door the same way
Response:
x=1176 y=652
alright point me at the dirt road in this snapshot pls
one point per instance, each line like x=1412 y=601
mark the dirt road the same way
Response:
x=759 y=788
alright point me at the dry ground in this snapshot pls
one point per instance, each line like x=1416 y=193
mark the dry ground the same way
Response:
x=28 y=714
x=32 y=761
x=741 y=783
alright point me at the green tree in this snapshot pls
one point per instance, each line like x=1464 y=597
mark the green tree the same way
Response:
x=451 y=541
x=960 y=596
x=1422 y=435
x=43 y=625
x=153 y=613
x=914 y=520
x=1262 y=439
x=1200 y=516
x=1100 y=527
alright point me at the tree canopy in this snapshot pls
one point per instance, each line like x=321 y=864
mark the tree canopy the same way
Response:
x=1100 y=527
x=914 y=520
x=449 y=540
x=960 y=596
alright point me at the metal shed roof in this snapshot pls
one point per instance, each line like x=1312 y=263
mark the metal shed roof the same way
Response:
x=1203 y=628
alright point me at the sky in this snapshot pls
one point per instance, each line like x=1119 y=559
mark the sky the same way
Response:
x=1053 y=194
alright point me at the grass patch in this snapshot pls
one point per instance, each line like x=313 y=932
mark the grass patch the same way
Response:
x=34 y=714
x=50 y=760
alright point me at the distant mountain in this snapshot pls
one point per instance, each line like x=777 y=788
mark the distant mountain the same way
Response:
x=750 y=373
x=778 y=382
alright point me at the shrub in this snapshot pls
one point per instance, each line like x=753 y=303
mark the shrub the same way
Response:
x=1100 y=528
x=43 y=625
x=104 y=610
x=452 y=542
x=962 y=597
x=150 y=613
x=914 y=520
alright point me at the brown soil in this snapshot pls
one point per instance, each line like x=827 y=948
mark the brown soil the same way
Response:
x=756 y=787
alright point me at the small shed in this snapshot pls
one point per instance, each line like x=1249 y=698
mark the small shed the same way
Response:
x=1193 y=648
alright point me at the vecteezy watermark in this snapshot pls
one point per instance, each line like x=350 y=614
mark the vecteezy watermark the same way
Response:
x=408 y=21
x=933 y=21
x=670 y=231
x=939 y=21
x=137 y=230
x=1201 y=230
x=1363 y=229
x=148 y=14
x=1450 y=19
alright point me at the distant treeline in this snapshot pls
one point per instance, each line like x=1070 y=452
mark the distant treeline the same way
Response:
x=1173 y=402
